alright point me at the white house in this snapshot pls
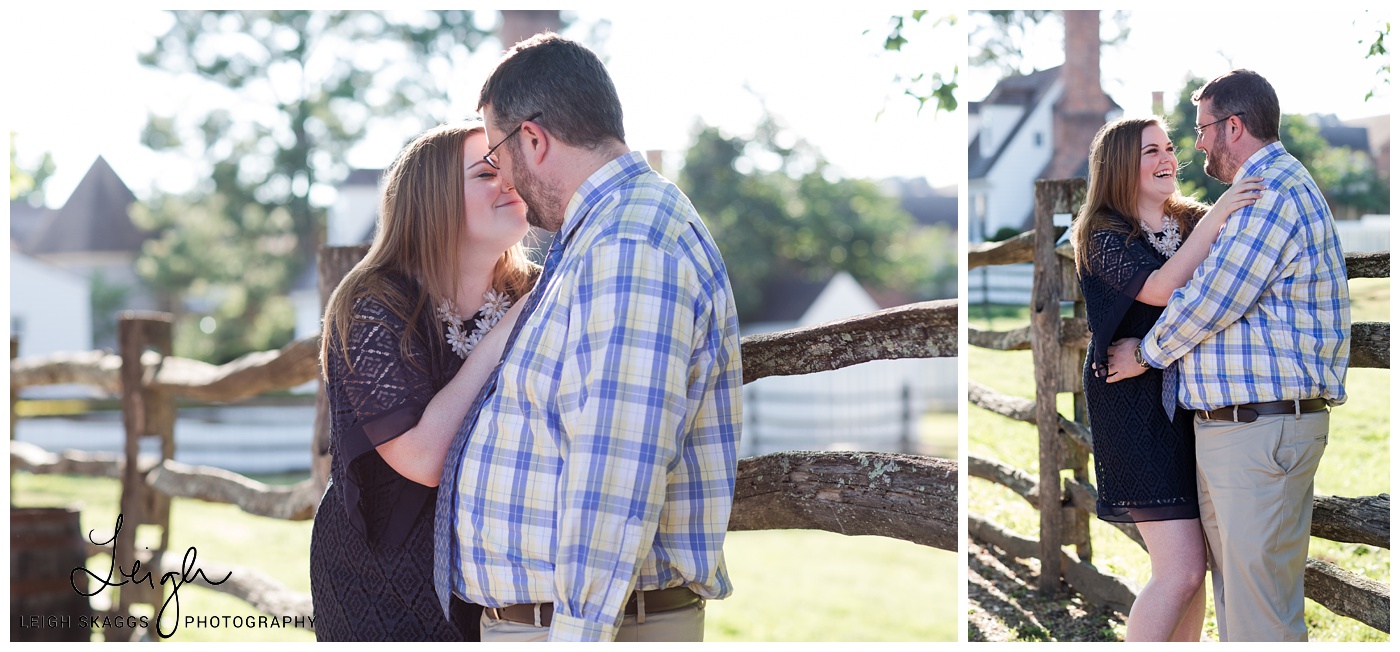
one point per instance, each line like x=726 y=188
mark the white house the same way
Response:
x=1036 y=126
x=49 y=313
x=92 y=237
x=93 y=234
x=1009 y=146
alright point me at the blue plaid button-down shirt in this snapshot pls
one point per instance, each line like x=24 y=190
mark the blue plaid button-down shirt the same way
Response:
x=604 y=462
x=1266 y=317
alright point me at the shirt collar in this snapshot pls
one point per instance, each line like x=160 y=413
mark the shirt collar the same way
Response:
x=605 y=180
x=1256 y=162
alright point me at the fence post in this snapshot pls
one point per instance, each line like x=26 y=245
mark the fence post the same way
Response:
x=1045 y=350
x=145 y=413
x=1073 y=359
x=1051 y=196
x=332 y=264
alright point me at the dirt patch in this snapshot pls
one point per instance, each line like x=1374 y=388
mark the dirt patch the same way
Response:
x=1003 y=604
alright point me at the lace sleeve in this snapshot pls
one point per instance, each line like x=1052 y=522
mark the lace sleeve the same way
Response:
x=1116 y=267
x=381 y=394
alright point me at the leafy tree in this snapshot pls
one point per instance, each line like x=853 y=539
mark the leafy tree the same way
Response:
x=793 y=220
x=300 y=88
x=998 y=40
x=924 y=86
x=1378 y=50
x=998 y=37
x=27 y=185
x=1349 y=179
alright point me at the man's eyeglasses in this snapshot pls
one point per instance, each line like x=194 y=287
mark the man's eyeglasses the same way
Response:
x=491 y=162
x=1201 y=130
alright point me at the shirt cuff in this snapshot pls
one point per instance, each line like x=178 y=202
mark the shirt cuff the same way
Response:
x=569 y=628
x=1152 y=352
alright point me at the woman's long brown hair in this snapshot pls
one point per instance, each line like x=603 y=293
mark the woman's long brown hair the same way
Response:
x=418 y=236
x=1111 y=200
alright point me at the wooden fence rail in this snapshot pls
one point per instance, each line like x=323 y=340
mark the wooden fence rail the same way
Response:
x=1370 y=340
x=913 y=498
x=919 y=330
x=909 y=497
x=1057 y=343
x=874 y=336
x=1020 y=249
x=1364 y=520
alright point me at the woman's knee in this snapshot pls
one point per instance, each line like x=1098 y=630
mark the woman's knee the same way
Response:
x=1184 y=580
x=1194 y=576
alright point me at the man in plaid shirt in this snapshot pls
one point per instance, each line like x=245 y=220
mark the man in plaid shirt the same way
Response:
x=589 y=499
x=1261 y=336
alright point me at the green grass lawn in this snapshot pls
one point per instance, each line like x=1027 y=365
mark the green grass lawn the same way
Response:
x=938 y=434
x=791 y=585
x=1357 y=461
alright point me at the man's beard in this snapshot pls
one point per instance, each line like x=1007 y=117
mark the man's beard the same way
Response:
x=542 y=205
x=1218 y=163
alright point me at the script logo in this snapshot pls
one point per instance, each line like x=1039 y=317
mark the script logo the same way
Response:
x=188 y=571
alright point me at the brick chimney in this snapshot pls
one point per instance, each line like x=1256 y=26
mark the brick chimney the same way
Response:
x=518 y=25
x=1159 y=106
x=1083 y=107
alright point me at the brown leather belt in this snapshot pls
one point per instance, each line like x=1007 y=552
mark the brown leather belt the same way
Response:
x=1248 y=412
x=656 y=601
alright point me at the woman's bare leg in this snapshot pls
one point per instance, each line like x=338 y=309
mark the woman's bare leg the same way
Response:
x=1178 y=554
x=1194 y=620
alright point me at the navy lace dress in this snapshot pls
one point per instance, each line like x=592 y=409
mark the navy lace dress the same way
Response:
x=1144 y=457
x=372 y=541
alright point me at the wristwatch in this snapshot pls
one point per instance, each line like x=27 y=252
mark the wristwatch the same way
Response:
x=1137 y=355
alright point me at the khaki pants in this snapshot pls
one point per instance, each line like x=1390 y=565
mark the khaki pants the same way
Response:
x=1255 y=482
x=680 y=625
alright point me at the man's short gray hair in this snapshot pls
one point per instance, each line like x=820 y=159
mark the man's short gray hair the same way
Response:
x=564 y=82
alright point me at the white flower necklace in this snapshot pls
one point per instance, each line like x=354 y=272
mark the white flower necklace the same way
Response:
x=490 y=314
x=1170 y=239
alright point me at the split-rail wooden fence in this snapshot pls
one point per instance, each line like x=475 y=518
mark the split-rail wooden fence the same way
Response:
x=1058 y=345
x=909 y=497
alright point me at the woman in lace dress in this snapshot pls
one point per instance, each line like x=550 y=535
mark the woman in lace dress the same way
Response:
x=1136 y=241
x=409 y=337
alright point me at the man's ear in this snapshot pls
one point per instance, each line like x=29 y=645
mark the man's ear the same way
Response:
x=1236 y=129
x=535 y=142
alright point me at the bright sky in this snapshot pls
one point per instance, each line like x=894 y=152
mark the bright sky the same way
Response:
x=77 y=91
x=1312 y=58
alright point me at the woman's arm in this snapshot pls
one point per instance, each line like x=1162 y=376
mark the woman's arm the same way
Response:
x=1158 y=288
x=419 y=452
